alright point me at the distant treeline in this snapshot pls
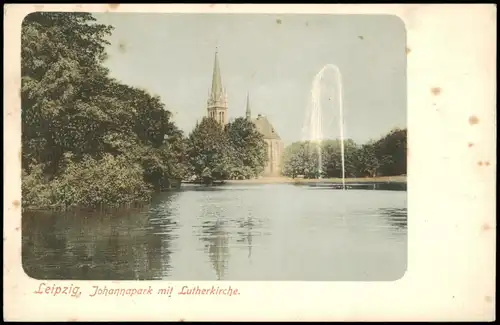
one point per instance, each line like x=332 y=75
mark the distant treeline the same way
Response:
x=384 y=157
x=89 y=140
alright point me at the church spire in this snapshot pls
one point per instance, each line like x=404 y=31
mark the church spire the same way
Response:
x=217 y=99
x=216 y=78
x=248 y=112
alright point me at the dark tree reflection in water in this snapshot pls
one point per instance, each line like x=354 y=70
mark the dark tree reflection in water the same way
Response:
x=119 y=244
x=161 y=232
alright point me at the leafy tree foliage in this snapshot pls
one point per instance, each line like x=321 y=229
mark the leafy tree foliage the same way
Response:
x=209 y=151
x=301 y=158
x=249 y=150
x=385 y=157
x=332 y=158
x=108 y=181
x=61 y=70
x=236 y=151
x=368 y=164
x=391 y=152
x=78 y=122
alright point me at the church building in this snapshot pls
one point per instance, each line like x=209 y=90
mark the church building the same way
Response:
x=217 y=108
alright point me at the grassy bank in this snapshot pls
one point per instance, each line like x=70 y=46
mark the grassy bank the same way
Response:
x=287 y=180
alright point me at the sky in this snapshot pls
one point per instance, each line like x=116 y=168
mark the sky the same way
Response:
x=275 y=59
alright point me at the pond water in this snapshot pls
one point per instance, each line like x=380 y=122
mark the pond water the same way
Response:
x=276 y=232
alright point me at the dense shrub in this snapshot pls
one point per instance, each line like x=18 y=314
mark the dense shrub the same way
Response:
x=36 y=192
x=110 y=181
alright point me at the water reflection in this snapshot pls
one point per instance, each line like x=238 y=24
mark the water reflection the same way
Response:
x=161 y=231
x=396 y=217
x=246 y=236
x=275 y=232
x=84 y=244
x=122 y=244
x=217 y=246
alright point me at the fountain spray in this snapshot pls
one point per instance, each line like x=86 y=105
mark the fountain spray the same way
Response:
x=314 y=118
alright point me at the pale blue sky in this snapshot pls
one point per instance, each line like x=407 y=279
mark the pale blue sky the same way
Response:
x=275 y=58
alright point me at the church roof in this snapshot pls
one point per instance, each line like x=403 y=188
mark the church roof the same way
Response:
x=266 y=128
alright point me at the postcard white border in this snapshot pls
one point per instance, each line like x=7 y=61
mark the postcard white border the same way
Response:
x=451 y=196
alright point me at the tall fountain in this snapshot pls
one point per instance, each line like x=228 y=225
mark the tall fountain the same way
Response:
x=314 y=119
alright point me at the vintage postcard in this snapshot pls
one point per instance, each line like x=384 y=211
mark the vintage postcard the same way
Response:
x=186 y=162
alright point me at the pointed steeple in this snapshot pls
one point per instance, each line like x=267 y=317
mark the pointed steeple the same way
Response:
x=217 y=98
x=216 y=78
x=248 y=111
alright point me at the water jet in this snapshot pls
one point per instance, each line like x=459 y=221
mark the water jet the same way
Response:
x=314 y=119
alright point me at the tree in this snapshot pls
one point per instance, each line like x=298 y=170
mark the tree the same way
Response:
x=332 y=158
x=110 y=181
x=384 y=157
x=292 y=164
x=209 y=151
x=249 y=150
x=391 y=152
x=61 y=66
x=367 y=161
x=301 y=158
x=76 y=118
x=160 y=145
